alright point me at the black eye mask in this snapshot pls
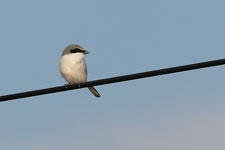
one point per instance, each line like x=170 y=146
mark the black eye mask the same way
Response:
x=76 y=50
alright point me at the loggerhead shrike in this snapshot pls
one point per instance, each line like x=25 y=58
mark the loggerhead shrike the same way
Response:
x=73 y=67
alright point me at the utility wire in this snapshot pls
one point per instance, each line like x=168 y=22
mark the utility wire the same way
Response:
x=114 y=80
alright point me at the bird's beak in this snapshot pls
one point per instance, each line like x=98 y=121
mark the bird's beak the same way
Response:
x=85 y=52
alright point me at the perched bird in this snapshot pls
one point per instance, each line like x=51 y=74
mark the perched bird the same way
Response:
x=73 y=67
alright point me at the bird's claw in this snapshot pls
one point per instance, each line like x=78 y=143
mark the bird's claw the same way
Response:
x=67 y=86
x=78 y=85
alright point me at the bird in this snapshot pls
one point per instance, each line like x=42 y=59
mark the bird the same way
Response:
x=73 y=67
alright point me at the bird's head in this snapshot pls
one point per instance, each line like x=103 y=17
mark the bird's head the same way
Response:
x=75 y=50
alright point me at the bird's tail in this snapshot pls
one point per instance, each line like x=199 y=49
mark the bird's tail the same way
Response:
x=94 y=91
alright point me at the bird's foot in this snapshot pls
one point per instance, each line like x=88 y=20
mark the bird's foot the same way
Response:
x=67 y=86
x=78 y=85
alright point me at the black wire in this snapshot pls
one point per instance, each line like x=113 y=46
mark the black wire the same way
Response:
x=114 y=79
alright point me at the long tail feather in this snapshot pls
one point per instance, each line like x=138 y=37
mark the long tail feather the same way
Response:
x=94 y=91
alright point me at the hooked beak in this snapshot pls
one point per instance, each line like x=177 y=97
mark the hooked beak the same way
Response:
x=85 y=52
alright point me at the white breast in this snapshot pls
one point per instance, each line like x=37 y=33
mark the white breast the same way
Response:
x=73 y=68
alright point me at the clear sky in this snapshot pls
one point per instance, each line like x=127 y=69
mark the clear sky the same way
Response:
x=178 y=111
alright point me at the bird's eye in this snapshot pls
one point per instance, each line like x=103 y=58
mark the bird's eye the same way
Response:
x=76 y=50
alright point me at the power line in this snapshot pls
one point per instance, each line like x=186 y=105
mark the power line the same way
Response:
x=114 y=79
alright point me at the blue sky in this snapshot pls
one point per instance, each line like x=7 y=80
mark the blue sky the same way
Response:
x=173 y=112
